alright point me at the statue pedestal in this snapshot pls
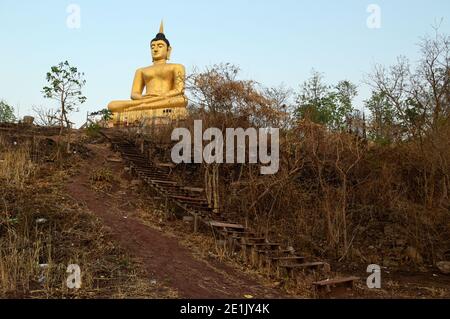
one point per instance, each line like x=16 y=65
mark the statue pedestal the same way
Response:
x=150 y=117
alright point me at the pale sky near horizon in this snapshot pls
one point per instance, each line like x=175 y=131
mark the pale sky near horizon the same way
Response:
x=273 y=42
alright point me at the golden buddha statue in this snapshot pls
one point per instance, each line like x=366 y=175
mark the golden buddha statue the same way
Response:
x=164 y=83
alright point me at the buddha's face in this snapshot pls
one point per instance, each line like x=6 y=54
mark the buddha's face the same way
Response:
x=160 y=51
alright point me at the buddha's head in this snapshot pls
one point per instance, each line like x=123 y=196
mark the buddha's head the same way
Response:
x=160 y=46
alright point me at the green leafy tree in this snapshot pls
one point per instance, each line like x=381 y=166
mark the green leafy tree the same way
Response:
x=324 y=104
x=313 y=100
x=105 y=114
x=382 y=117
x=64 y=85
x=6 y=113
x=343 y=96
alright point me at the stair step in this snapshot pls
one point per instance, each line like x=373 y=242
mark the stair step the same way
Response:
x=217 y=224
x=337 y=281
x=274 y=253
x=188 y=199
x=196 y=208
x=150 y=173
x=192 y=204
x=179 y=192
x=194 y=189
x=281 y=259
x=159 y=187
x=157 y=181
x=147 y=168
x=239 y=232
x=135 y=157
x=271 y=245
x=311 y=265
x=166 y=165
x=254 y=240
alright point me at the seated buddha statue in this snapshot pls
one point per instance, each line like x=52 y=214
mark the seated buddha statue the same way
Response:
x=164 y=85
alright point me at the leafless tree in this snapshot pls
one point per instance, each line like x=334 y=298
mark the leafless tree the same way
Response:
x=419 y=96
x=46 y=117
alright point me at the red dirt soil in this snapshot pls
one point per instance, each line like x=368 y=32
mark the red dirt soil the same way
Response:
x=164 y=259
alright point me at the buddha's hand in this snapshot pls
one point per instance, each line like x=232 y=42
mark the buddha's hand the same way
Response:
x=153 y=95
x=136 y=96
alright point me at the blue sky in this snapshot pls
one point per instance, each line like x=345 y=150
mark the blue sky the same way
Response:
x=273 y=42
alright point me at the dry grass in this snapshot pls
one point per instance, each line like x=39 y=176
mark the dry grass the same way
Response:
x=337 y=196
x=102 y=179
x=42 y=231
x=16 y=166
x=19 y=263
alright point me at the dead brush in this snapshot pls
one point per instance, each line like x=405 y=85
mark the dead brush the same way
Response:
x=42 y=231
x=102 y=179
x=19 y=263
x=16 y=166
x=335 y=196
x=34 y=256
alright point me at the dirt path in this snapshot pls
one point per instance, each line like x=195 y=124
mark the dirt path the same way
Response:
x=164 y=259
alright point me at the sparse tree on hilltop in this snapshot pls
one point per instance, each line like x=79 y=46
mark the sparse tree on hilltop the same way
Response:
x=65 y=85
x=6 y=113
x=328 y=105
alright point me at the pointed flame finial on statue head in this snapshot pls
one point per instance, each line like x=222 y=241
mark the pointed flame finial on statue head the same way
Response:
x=161 y=36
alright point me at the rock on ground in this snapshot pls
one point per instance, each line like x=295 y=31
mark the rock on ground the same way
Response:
x=444 y=267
